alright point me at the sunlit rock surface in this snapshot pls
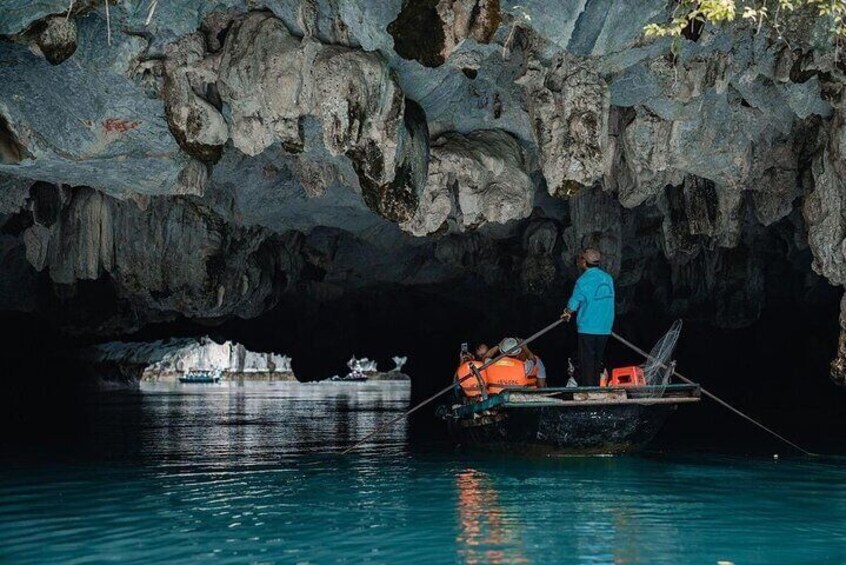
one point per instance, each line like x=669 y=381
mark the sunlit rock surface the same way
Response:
x=167 y=360
x=271 y=80
x=195 y=121
x=367 y=368
x=473 y=180
x=568 y=105
x=226 y=153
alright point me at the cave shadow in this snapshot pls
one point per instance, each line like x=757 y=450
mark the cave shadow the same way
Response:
x=775 y=369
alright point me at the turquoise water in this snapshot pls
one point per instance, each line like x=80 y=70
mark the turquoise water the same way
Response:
x=253 y=475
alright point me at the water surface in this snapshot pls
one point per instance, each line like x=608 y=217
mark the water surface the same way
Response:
x=253 y=474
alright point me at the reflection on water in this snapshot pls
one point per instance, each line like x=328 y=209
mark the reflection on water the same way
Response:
x=259 y=422
x=253 y=475
x=487 y=534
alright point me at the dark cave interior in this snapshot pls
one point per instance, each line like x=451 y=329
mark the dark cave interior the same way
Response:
x=760 y=330
x=775 y=369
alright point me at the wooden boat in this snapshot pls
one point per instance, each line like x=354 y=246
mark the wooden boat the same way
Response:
x=200 y=377
x=567 y=421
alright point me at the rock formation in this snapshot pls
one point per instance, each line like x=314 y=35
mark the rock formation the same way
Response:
x=56 y=38
x=227 y=153
x=473 y=180
x=132 y=362
x=430 y=30
x=163 y=255
x=568 y=107
x=367 y=368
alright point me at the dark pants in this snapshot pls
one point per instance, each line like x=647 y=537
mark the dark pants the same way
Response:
x=591 y=354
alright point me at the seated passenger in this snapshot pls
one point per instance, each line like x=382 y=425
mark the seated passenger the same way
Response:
x=535 y=365
x=482 y=351
x=471 y=387
x=512 y=371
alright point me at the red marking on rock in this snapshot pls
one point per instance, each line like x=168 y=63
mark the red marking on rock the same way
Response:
x=115 y=125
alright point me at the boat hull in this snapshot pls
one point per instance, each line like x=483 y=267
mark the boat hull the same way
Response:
x=572 y=431
x=598 y=425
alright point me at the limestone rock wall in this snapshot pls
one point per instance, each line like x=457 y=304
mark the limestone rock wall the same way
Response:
x=166 y=255
x=473 y=180
x=168 y=359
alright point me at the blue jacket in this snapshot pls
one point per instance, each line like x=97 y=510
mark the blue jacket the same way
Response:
x=593 y=299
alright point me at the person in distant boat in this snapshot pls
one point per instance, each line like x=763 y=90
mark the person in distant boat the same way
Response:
x=593 y=303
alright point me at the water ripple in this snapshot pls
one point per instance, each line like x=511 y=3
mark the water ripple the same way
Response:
x=254 y=475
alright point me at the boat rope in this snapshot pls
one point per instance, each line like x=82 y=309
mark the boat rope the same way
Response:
x=710 y=395
x=445 y=390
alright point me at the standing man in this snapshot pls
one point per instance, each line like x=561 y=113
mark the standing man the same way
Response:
x=593 y=302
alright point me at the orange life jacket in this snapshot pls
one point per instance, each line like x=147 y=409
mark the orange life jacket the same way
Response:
x=508 y=372
x=470 y=386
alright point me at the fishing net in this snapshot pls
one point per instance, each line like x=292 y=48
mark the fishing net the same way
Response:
x=658 y=368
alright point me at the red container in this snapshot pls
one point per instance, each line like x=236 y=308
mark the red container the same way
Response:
x=627 y=376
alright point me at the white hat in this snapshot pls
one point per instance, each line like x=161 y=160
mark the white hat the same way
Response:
x=509 y=346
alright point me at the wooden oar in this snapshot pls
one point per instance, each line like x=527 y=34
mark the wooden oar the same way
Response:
x=713 y=397
x=449 y=388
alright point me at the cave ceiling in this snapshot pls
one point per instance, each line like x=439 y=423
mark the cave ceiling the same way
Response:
x=207 y=158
